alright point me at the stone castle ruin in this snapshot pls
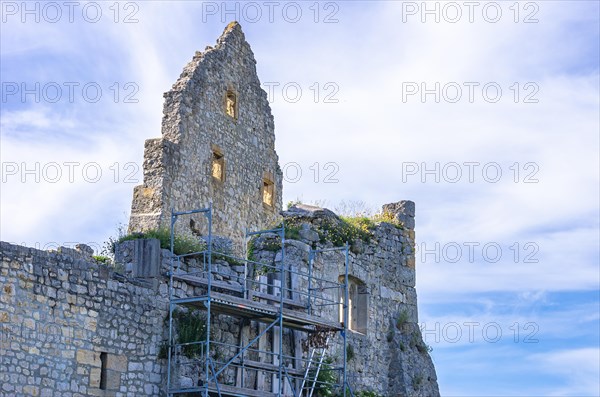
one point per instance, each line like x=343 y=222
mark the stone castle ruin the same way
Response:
x=247 y=300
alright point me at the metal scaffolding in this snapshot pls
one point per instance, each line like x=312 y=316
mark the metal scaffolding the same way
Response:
x=278 y=308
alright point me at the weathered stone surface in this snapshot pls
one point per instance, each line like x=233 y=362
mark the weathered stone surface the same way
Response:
x=87 y=357
x=384 y=360
x=222 y=244
x=56 y=326
x=307 y=234
x=309 y=211
x=403 y=211
x=85 y=250
x=195 y=128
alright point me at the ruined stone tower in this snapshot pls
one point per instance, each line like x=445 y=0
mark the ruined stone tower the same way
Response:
x=217 y=145
x=72 y=324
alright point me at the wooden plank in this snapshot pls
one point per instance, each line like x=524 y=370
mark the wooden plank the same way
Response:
x=262 y=342
x=294 y=283
x=290 y=282
x=236 y=306
x=244 y=337
x=298 y=363
x=202 y=281
x=276 y=348
x=249 y=284
x=287 y=387
x=276 y=299
x=296 y=335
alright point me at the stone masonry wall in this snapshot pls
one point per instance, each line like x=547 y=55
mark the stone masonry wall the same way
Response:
x=65 y=320
x=61 y=310
x=390 y=357
x=195 y=127
x=62 y=318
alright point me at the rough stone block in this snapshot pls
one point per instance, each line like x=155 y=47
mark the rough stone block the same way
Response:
x=33 y=391
x=404 y=211
x=95 y=376
x=116 y=362
x=88 y=357
x=308 y=234
x=113 y=380
x=85 y=250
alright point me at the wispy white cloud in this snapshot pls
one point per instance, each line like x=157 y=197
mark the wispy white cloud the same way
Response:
x=33 y=119
x=579 y=367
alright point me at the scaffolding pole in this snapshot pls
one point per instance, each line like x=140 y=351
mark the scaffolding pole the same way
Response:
x=281 y=312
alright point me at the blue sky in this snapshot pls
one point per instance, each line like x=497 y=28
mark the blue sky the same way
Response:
x=507 y=215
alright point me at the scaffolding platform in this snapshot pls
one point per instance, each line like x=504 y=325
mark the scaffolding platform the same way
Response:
x=203 y=282
x=277 y=305
x=258 y=311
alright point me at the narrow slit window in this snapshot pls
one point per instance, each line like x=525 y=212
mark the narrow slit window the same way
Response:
x=267 y=192
x=218 y=166
x=358 y=307
x=102 y=371
x=231 y=104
